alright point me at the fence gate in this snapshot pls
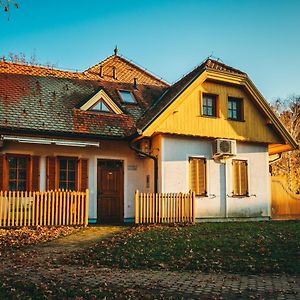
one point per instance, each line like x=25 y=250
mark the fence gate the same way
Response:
x=285 y=205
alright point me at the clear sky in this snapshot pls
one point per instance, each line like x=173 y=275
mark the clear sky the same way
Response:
x=168 y=37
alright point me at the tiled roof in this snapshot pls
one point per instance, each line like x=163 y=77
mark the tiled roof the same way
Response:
x=178 y=87
x=40 y=99
x=125 y=72
x=16 y=68
x=43 y=100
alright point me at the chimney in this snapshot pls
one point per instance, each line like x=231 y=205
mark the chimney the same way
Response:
x=114 y=71
x=135 y=83
x=101 y=72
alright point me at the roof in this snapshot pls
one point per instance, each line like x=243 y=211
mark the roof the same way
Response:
x=39 y=99
x=126 y=71
x=178 y=87
x=46 y=101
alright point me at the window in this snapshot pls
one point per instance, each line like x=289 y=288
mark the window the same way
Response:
x=100 y=106
x=127 y=96
x=198 y=175
x=17 y=177
x=209 y=105
x=67 y=173
x=239 y=178
x=235 y=108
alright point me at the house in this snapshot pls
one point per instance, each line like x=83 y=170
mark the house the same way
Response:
x=116 y=128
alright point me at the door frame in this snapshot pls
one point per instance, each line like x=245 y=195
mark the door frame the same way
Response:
x=123 y=185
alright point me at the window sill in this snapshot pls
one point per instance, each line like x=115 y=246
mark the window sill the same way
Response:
x=235 y=120
x=210 y=117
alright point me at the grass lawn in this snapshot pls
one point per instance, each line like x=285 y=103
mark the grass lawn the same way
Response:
x=246 y=247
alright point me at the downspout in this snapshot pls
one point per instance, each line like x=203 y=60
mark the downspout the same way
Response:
x=154 y=158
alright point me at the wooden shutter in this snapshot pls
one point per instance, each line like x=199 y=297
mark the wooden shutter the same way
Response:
x=51 y=173
x=198 y=175
x=3 y=173
x=239 y=177
x=83 y=174
x=35 y=173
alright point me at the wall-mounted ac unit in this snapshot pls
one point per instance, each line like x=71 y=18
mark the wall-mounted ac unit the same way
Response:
x=224 y=148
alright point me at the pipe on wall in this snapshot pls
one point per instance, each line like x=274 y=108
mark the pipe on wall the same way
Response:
x=154 y=158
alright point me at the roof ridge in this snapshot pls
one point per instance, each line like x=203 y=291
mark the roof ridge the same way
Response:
x=134 y=64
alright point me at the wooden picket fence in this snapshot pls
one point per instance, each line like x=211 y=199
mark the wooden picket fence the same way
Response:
x=51 y=208
x=164 y=207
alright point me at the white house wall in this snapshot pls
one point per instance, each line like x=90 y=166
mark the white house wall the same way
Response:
x=219 y=203
x=134 y=168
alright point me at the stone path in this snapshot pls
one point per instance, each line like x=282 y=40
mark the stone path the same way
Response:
x=176 y=285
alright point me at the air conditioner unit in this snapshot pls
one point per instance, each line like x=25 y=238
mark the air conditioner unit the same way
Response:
x=223 y=148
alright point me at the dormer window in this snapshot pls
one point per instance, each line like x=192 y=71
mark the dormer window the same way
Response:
x=101 y=103
x=100 y=106
x=127 y=96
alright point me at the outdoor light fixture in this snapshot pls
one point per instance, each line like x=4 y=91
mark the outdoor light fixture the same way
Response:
x=44 y=141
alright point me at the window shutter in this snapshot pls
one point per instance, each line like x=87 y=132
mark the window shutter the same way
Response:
x=198 y=175
x=83 y=174
x=3 y=173
x=35 y=167
x=51 y=173
x=239 y=178
x=244 y=178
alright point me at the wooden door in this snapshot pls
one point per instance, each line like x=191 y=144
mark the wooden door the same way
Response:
x=110 y=187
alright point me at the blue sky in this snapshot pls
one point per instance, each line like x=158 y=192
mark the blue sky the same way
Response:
x=167 y=37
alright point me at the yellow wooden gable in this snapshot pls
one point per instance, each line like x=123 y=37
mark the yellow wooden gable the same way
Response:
x=184 y=115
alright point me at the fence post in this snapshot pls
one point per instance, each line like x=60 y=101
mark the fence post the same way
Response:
x=86 y=221
x=136 y=201
x=194 y=207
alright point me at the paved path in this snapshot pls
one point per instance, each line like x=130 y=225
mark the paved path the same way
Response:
x=39 y=267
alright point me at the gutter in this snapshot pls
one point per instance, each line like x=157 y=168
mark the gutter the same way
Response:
x=154 y=158
x=277 y=158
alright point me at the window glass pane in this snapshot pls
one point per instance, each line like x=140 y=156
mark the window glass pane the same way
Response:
x=71 y=176
x=22 y=174
x=62 y=185
x=63 y=164
x=12 y=186
x=63 y=175
x=127 y=97
x=21 y=185
x=100 y=106
x=22 y=162
x=71 y=164
x=209 y=105
x=12 y=162
x=12 y=174
x=71 y=186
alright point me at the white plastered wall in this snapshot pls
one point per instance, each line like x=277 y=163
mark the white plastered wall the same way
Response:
x=218 y=203
x=134 y=167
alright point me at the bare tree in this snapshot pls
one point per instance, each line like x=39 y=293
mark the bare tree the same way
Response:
x=8 y=4
x=288 y=111
x=21 y=58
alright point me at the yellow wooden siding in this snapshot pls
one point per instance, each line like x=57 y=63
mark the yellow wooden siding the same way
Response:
x=184 y=116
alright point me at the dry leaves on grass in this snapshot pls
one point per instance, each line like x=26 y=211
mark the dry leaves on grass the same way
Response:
x=27 y=236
